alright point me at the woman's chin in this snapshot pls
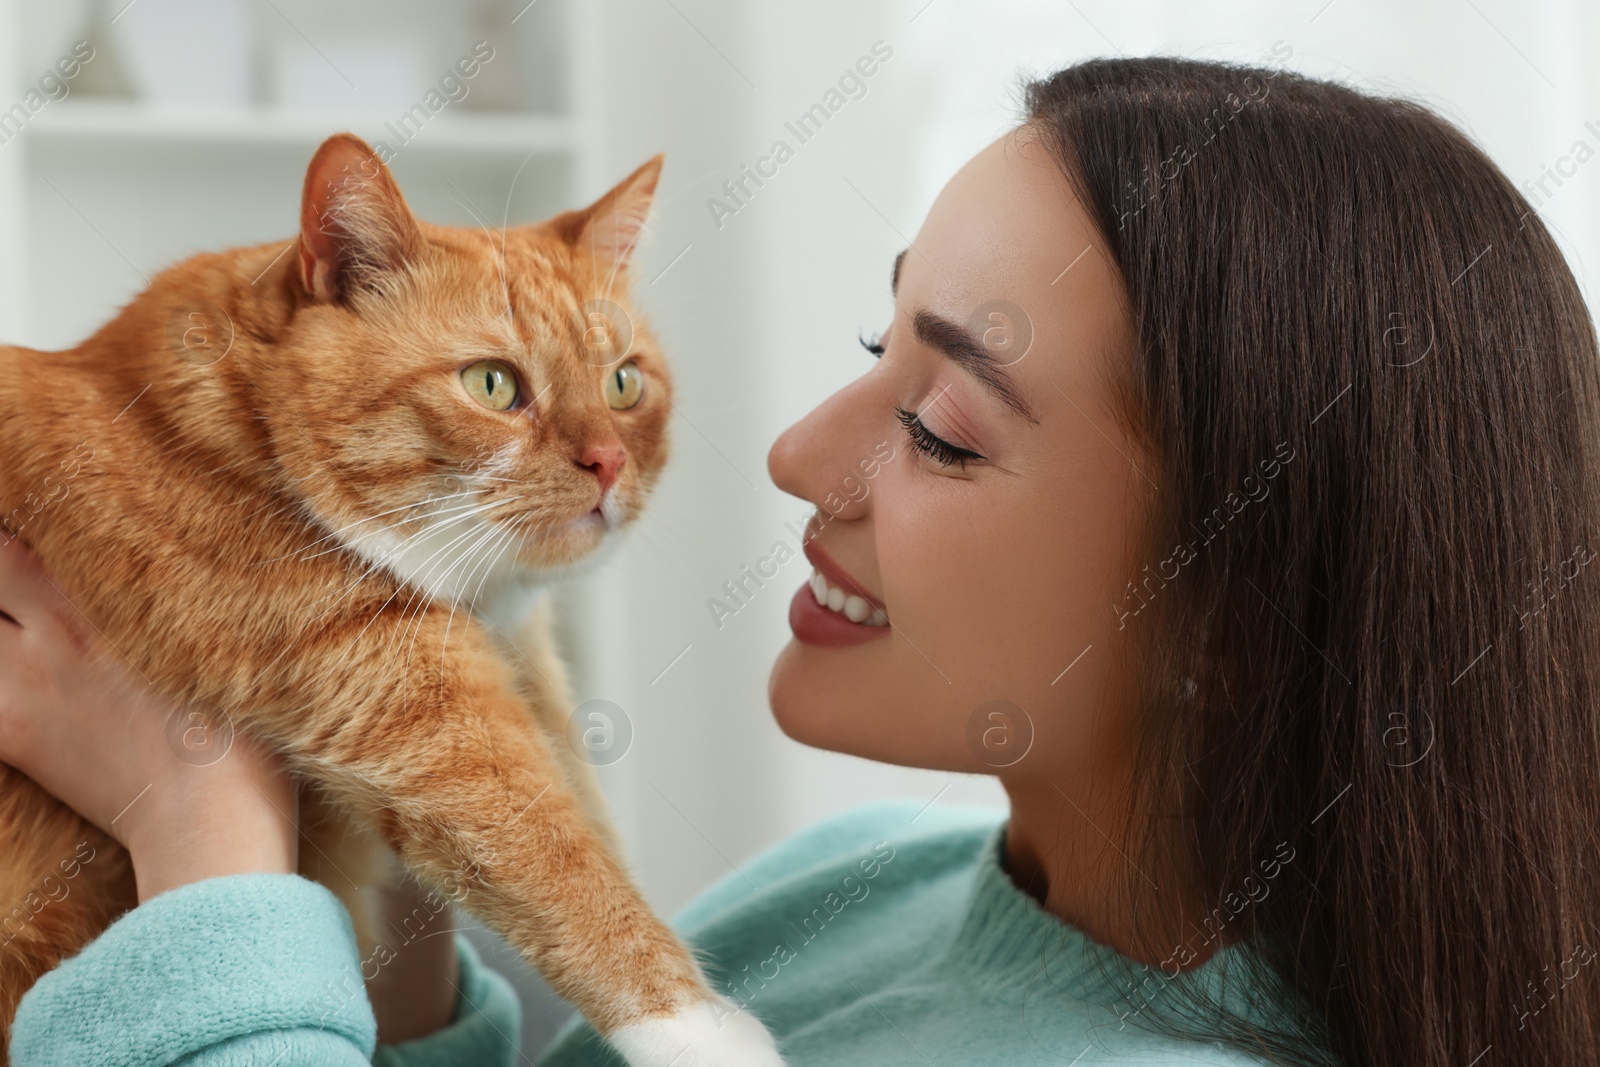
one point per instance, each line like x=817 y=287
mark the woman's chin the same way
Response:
x=844 y=701
x=794 y=696
x=781 y=693
x=817 y=701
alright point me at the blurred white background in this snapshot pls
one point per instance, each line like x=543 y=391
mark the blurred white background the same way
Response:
x=190 y=128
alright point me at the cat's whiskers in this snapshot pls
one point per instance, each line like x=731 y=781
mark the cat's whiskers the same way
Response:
x=361 y=522
x=528 y=506
x=505 y=217
x=383 y=561
x=420 y=588
x=405 y=615
x=347 y=591
x=462 y=560
x=503 y=461
x=611 y=276
x=392 y=527
x=395 y=551
x=493 y=560
x=273 y=508
x=422 y=574
x=541 y=517
x=390 y=555
x=494 y=609
x=483 y=556
x=500 y=253
x=490 y=535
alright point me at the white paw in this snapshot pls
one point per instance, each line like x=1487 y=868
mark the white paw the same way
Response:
x=709 y=1034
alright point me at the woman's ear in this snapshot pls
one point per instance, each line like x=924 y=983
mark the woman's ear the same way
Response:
x=354 y=224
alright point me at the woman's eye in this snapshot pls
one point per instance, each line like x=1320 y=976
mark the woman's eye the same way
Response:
x=492 y=384
x=875 y=346
x=624 y=386
x=925 y=440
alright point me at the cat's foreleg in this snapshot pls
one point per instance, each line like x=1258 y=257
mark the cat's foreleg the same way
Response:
x=542 y=679
x=477 y=806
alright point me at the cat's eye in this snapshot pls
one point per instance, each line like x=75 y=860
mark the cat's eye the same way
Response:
x=624 y=386
x=491 y=383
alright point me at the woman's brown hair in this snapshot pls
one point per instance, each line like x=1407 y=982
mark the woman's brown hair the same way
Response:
x=1369 y=627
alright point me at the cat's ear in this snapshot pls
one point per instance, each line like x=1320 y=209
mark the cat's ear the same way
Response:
x=609 y=228
x=354 y=224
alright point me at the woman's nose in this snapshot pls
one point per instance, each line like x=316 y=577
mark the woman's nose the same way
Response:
x=817 y=458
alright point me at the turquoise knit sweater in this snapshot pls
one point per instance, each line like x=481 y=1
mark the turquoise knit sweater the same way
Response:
x=890 y=935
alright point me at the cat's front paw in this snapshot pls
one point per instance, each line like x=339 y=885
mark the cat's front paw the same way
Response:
x=714 y=1033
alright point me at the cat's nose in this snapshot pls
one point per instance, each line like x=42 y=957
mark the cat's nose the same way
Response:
x=603 y=460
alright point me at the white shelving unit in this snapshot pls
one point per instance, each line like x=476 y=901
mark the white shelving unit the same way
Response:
x=97 y=193
x=110 y=192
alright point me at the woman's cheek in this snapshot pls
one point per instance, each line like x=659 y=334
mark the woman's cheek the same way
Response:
x=945 y=562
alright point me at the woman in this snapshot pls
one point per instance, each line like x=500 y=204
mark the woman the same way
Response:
x=1228 y=468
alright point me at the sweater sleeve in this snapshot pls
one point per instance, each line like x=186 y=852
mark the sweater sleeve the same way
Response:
x=251 y=969
x=486 y=1030
x=247 y=969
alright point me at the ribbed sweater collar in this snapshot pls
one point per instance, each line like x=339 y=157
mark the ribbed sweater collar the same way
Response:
x=1005 y=938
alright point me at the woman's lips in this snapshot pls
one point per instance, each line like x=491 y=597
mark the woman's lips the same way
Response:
x=815 y=624
x=836 y=574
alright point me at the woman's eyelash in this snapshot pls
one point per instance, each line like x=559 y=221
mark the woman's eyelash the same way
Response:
x=875 y=346
x=925 y=440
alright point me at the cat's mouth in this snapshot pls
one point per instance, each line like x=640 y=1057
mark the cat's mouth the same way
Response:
x=575 y=537
x=597 y=521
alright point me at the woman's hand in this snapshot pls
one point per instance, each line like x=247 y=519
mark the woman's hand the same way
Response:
x=187 y=798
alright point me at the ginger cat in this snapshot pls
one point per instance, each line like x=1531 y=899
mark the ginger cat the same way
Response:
x=298 y=529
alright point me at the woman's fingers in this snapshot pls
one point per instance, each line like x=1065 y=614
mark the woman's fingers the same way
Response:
x=18 y=577
x=27 y=595
x=82 y=723
x=23 y=674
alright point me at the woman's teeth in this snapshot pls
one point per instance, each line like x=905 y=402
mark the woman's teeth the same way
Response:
x=852 y=607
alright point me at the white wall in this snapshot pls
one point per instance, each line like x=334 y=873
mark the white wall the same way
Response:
x=13 y=300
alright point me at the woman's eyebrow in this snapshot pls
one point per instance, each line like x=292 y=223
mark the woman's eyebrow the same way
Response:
x=958 y=344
